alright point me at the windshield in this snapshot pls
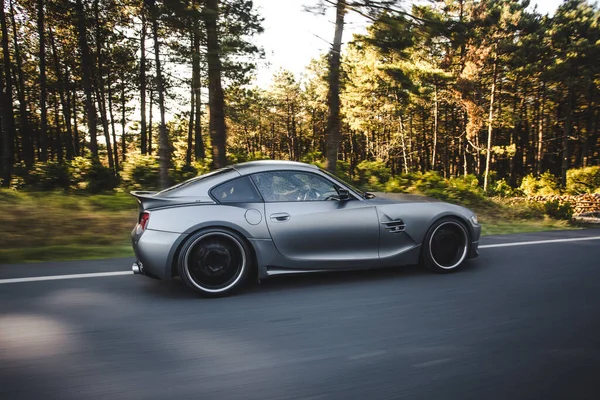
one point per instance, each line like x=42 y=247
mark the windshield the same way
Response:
x=352 y=188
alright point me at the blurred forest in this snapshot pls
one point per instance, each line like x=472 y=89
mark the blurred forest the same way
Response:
x=97 y=94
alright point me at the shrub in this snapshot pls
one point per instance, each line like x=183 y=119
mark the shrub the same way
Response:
x=525 y=209
x=140 y=172
x=101 y=179
x=372 y=174
x=546 y=184
x=583 y=180
x=503 y=189
x=432 y=184
x=557 y=210
x=91 y=176
x=50 y=175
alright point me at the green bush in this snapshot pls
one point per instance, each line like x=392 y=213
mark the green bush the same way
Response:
x=49 y=175
x=583 y=180
x=372 y=175
x=503 y=189
x=528 y=209
x=140 y=172
x=91 y=176
x=101 y=179
x=546 y=184
x=557 y=210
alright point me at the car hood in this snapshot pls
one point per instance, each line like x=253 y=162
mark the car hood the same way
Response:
x=392 y=198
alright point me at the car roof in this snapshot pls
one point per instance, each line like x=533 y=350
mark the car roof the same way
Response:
x=271 y=165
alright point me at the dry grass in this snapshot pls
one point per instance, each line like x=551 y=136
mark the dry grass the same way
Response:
x=60 y=226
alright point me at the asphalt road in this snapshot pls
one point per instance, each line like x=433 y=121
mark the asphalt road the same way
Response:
x=519 y=322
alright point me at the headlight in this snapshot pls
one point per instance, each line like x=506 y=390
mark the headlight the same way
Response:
x=474 y=219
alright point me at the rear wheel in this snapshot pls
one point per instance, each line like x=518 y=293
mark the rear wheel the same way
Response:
x=214 y=262
x=446 y=245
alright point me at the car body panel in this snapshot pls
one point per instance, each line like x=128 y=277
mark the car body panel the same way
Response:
x=294 y=236
x=324 y=230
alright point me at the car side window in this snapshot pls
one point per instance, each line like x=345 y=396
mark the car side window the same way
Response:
x=284 y=186
x=239 y=190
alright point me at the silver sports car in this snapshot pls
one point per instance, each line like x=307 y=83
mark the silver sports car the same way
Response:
x=265 y=218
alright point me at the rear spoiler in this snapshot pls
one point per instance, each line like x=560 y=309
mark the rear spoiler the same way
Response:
x=148 y=200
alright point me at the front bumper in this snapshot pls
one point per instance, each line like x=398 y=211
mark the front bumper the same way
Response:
x=474 y=250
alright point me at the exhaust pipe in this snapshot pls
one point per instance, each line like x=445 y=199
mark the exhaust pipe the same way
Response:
x=137 y=268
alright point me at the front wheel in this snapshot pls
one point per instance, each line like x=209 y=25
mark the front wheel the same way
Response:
x=445 y=246
x=214 y=262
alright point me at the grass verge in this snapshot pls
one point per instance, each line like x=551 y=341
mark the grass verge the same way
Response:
x=63 y=252
x=62 y=226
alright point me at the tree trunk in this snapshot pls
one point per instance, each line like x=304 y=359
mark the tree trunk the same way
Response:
x=100 y=96
x=190 y=136
x=123 y=122
x=63 y=101
x=57 y=142
x=163 y=140
x=567 y=134
x=43 y=85
x=112 y=126
x=199 y=151
x=86 y=62
x=143 y=128
x=435 y=124
x=7 y=118
x=150 y=108
x=24 y=125
x=540 y=143
x=333 y=97
x=78 y=146
x=216 y=102
x=488 y=154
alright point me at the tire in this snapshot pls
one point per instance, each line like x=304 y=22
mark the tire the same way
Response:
x=446 y=245
x=214 y=262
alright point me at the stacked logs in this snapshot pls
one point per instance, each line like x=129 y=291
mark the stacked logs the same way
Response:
x=583 y=204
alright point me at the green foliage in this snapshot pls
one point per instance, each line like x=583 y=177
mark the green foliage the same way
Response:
x=558 y=210
x=112 y=202
x=464 y=189
x=313 y=157
x=140 y=172
x=91 y=176
x=583 y=180
x=372 y=175
x=546 y=184
x=50 y=175
x=502 y=189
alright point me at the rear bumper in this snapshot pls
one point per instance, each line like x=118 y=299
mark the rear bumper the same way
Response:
x=137 y=268
x=152 y=250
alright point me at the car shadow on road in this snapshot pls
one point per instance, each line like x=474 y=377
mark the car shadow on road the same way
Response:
x=176 y=289
x=340 y=278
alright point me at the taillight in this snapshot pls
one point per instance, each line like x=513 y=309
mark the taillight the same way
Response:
x=144 y=217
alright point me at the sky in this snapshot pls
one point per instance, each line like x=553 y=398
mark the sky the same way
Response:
x=293 y=37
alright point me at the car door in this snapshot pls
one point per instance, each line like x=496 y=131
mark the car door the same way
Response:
x=306 y=222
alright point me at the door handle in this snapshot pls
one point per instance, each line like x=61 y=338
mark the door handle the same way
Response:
x=280 y=217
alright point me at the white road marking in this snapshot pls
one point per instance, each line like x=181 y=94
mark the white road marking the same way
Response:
x=118 y=273
x=489 y=246
x=59 y=277
x=367 y=355
x=432 y=363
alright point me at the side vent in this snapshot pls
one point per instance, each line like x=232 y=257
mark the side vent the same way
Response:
x=394 y=226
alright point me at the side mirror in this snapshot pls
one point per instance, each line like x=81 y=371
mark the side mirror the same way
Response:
x=343 y=194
